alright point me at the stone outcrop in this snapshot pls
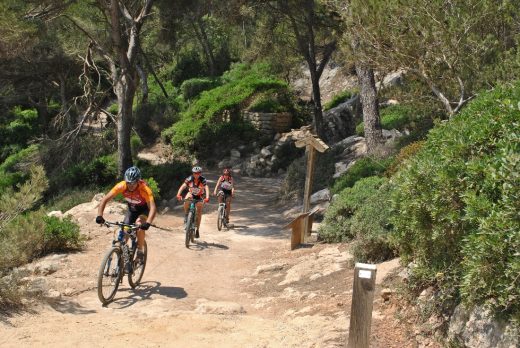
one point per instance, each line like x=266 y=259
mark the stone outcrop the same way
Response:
x=340 y=121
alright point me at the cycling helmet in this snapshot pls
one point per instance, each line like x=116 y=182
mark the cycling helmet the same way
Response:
x=132 y=174
x=196 y=169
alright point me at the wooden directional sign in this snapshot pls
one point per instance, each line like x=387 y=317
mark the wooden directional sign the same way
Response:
x=312 y=144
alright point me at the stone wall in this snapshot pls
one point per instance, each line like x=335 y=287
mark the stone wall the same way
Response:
x=269 y=123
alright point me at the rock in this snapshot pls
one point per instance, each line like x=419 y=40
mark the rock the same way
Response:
x=349 y=141
x=277 y=137
x=391 y=134
x=221 y=307
x=265 y=152
x=340 y=168
x=339 y=122
x=235 y=153
x=56 y=213
x=387 y=293
x=45 y=267
x=320 y=196
x=477 y=328
x=269 y=268
x=53 y=295
x=98 y=197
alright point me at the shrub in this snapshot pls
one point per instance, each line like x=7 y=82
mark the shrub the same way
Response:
x=167 y=176
x=60 y=234
x=393 y=117
x=193 y=87
x=100 y=172
x=271 y=101
x=16 y=129
x=458 y=204
x=211 y=113
x=363 y=168
x=337 y=224
x=69 y=198
x=404 y=154
x=372 y=227
x=136 y=144
x=338 y=99
x=15 y=169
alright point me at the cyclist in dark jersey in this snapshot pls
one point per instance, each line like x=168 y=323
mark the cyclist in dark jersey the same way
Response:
x=141 y=204
x=225 y=189
x=197 y=190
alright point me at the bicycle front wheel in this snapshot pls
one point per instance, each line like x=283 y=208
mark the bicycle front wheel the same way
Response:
x=134 y=278
x=189 y=229
x=110 y=274
x=220 y=217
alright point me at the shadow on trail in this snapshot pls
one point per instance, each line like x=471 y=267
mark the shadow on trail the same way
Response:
x=205 y=245
x=12 y=311
x=144 y=291
x=65 y=306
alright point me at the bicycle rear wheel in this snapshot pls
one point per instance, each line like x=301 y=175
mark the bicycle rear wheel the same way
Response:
x=189 y=229
x=220 y=217
x=135 y=277
x=110 y=274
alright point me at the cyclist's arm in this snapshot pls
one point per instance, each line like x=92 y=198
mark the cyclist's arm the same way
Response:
x=153 y=209
x=207 y=191
x=104 y=201
x=217 y=186
x=182 y=188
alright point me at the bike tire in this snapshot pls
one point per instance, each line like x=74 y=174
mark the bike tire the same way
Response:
x=189 y=230
x=220 y=218
x=135 y=277
x=109 y=275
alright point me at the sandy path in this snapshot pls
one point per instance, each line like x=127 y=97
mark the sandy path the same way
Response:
x=168 y=309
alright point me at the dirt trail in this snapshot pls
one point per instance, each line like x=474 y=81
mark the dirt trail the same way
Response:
x=235 y=288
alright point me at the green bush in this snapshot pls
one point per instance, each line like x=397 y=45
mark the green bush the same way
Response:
x=164 y=178
x=210 y=115
x=363 y=168
x=60 y=235
x=193 y=87
x=16 y=129
x=338 y=99
x=14 y=170
x=271 y=101
x=393 y=117
x=458 y=203
x=337 y=224
x=372 y=227
x=69 y=198
x=101 y=171
x=136 y=145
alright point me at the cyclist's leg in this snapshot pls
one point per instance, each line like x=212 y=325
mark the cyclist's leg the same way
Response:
x=198 y=205
x=220 y=196
x=142 y=216
x=228 y=206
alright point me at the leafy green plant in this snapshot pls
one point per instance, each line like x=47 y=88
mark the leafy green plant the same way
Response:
x=270 y=101
x=194 y=87
x=337 y=224
x=458 y=203
x=363 y=168
x=338 y=99
x=136 y=144
x=60 y=234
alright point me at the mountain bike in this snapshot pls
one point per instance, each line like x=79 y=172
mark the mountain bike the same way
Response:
x=222 y=213
x=189 y=226
x=119 y=260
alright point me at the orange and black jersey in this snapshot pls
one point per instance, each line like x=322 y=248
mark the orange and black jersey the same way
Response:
x=196 y=186
x=141 y=196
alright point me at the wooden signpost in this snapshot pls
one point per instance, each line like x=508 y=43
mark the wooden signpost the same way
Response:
x=302 y=225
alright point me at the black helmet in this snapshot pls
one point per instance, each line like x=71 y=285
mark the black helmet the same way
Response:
x=132 y=174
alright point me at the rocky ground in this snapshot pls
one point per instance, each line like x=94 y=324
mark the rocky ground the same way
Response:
x=235 y=288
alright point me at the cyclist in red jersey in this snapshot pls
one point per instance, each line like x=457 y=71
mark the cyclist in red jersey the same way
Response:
x=225 y=189
x=197 y=188
x=141 y=204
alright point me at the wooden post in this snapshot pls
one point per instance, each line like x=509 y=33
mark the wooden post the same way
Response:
x=311 y=154
x=311 y=144
x=362 y=304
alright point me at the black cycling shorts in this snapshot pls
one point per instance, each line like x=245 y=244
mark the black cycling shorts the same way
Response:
x=133 y=213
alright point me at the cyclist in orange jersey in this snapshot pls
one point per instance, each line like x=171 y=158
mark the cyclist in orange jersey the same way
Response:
x=139 y=198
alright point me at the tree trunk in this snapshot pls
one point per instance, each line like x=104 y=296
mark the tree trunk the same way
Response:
x=316 y=98
x=368 y=94
x=143 y=76
x=200 y=32
x=125 y=92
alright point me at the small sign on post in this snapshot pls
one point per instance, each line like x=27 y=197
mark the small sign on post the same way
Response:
x=362 y=305
x=312 y=144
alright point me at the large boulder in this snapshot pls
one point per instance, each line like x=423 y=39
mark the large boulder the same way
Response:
x=340 y=121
